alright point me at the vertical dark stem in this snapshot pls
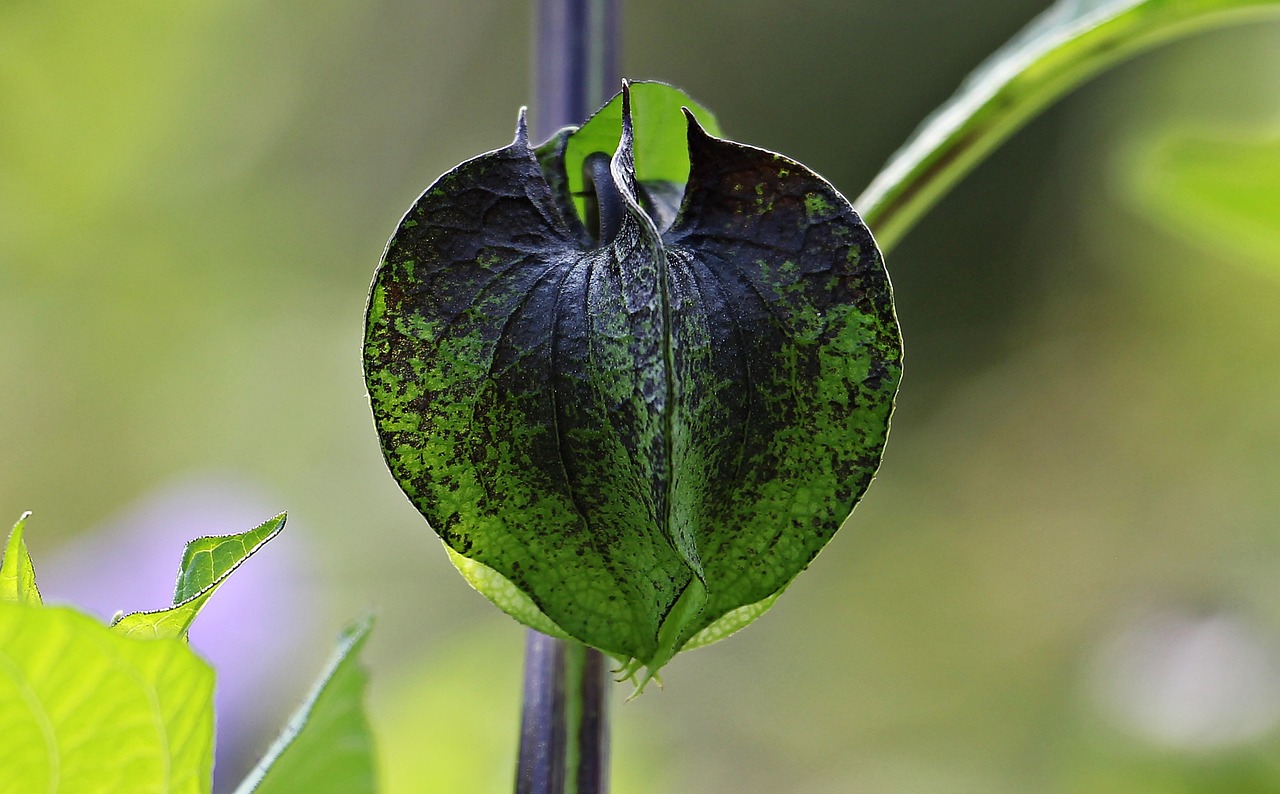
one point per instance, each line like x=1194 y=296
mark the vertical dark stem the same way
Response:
x=541 y=763
x=575 y=61
x=564 y=726
x=593 y=727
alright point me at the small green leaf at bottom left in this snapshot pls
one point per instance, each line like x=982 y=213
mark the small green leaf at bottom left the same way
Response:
x=85 y=709
x=128 y=709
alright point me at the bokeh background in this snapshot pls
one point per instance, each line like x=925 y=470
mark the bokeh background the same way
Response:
x=1066 y=578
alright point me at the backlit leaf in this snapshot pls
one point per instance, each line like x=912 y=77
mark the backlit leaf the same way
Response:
x=327 y=747
x=1223 y=194
x=661 y=152
x=84 y=710
x=17 y=576
x=206 y=564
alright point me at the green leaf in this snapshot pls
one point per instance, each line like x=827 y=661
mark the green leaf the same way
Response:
x=645 y=433
x=84 y=710
x=206 y=564
x=1221 y=193
x=17 y=576
x=661 y=150
x=1063 y=47
x=326 y=748
x=731 y=622
x=504 y=595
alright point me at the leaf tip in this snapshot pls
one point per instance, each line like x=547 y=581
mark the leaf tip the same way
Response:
x=19 y=524
x=695 y=127
x=626 y=111
x=522 y=127
x=17 y=575
x=358 y=629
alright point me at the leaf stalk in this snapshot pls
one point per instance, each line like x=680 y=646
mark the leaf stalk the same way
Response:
x=1058 y=51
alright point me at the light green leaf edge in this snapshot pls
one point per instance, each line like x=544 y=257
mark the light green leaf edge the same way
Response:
x=1067 y=44
x=510 y=599
x=504 y=595
x=731 y=622
x=206 y=564
x=17 y=574
x=83 y=709
x=661 y=135
x=326 y=747
x=1220 y=192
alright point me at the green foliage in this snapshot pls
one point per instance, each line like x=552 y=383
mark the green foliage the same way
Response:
x=206 y=564
x=661 y=147
x=1063 y=47
x=17 y=575
x=644 y=433
x=326 y=748
x=91 y=709
x=1219 y=193
x=83 y=709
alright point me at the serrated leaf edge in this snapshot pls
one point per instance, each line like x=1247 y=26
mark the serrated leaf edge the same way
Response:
x=207 y=592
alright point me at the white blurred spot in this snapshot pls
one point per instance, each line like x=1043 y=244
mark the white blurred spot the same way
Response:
x=1192 y=681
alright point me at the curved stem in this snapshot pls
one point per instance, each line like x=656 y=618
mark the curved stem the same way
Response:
x=604 y=202
x=1058 y=51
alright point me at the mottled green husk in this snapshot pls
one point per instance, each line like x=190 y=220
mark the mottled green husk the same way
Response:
x=636 y=443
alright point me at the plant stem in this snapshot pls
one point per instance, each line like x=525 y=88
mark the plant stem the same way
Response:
x=1017 y=82
x=564 y=726
x=593 y=723
x=564 y=738
x=575 y=61
x=540 y=769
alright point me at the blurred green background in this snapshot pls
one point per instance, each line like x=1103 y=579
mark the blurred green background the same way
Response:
x=1066 y=578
